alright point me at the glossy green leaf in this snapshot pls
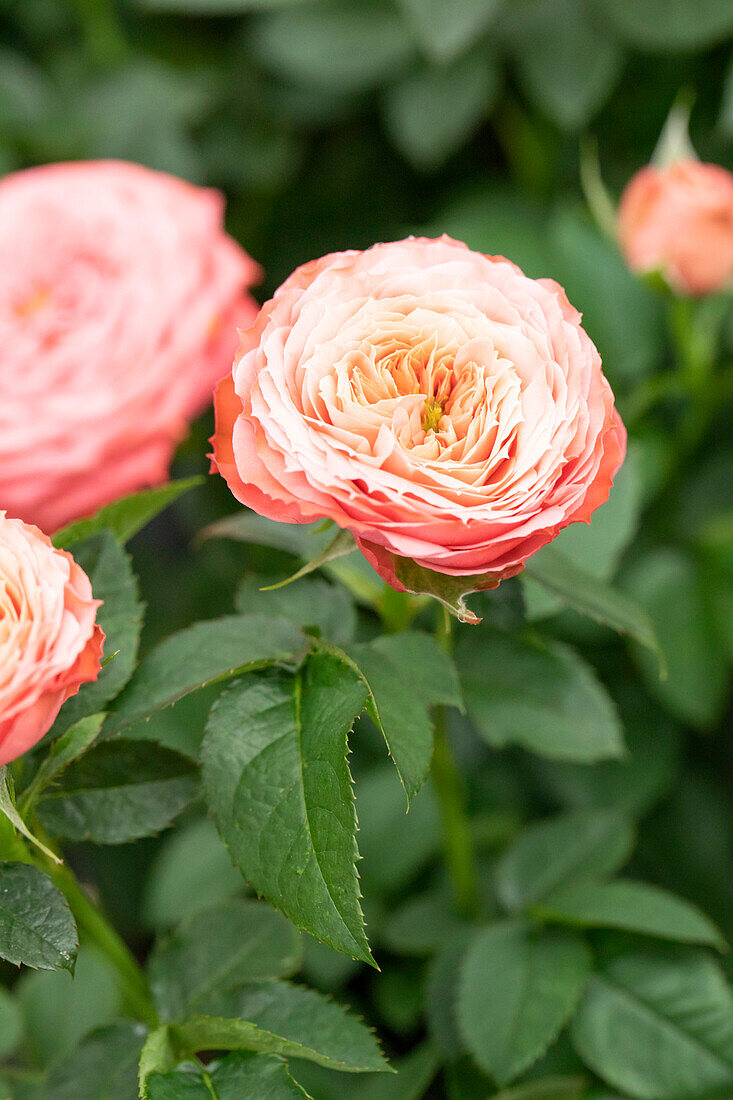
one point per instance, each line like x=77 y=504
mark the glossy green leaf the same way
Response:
x=125 y=517
x=158 y=1056
x=413 y=1076
x=104 y=1067
x=278 y=784
x=538 y=694
x=633 y=907
x=120 y=617
x=236 y=1077
x=590 y=596
x=36 y=925
x=219 y=949
x=432 y=112
x=517 y=991
x=561 y=851
x=119 y=791
x=337 y=1037
x=8 y=809
x=659 y=1026
x=203 y=654
x=406 y=674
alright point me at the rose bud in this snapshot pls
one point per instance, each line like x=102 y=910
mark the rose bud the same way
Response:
x=434 y=401
x=678 y=219
x=120 y=294
x=49 y=643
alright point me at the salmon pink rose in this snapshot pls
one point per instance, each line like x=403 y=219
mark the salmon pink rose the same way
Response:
x=436 y=402
x=119 y=297
x=679 y=220
x=49 y=642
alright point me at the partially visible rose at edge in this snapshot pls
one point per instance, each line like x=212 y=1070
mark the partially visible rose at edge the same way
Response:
x=50 y=643
x=679 y=220
x=434 y=401
x=120 y=295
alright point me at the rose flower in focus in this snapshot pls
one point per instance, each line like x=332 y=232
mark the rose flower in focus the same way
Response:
x=678 y=219
x=120 y=294
x=49 y=642
x=434 y=401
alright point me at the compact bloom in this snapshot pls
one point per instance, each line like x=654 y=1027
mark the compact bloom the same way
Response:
x=678 y=220
x=49 y=642
x=119 y=298
x=434 y=401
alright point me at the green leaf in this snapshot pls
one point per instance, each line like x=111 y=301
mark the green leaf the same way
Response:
x=305 y=540
x=633 y=907
x=432 y=112
x=236 y=1077
x=119 y=791
x=157 y=1056
x=595 y=547
x=671 y=587
x=539 y=694
x=658 y=1025
x=672 y=25
x=564 y=850
x=406 y=674
x=396 y=847
x=444 y=28
x=120 y=617
x=203 y=654
x=62 y=752
x=217 y=949
x=566 y=63
x=331 y=1035
x=340 y=545
x=104 y=1067
x=11 y=1024
x=7 y=807
x=217 y=1033
x=312 y=602
x=190 y=871
x=36 y=925
x=60 y=1010
x=517 y=991
x=414 y=1074
x=125 y=517
x=590 y=596
x=277 y=781
x=334 y=44
x=549 y=1088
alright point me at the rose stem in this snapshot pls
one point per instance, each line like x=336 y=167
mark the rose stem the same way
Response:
x=450 y=789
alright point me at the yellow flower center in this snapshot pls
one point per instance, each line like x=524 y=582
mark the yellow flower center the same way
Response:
x=432 y=413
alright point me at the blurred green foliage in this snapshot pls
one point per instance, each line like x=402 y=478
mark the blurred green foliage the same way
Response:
x=332 y=124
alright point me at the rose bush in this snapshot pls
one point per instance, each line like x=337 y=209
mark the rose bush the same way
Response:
x=434 y=401
x=678 y=220
x=119 y=299
x=49 y=642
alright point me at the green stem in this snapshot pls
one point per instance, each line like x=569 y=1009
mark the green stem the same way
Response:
x=450 y=789
x=134 y=983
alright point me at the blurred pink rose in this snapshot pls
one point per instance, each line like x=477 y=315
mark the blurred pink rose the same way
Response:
x=49 y=643
x=120 y=294
x=434 y=401
x=679 y=220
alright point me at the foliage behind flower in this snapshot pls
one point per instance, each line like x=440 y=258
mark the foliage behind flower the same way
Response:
x=434 y=401
x=120 y=295
x=49 y=643
x=678 y=219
